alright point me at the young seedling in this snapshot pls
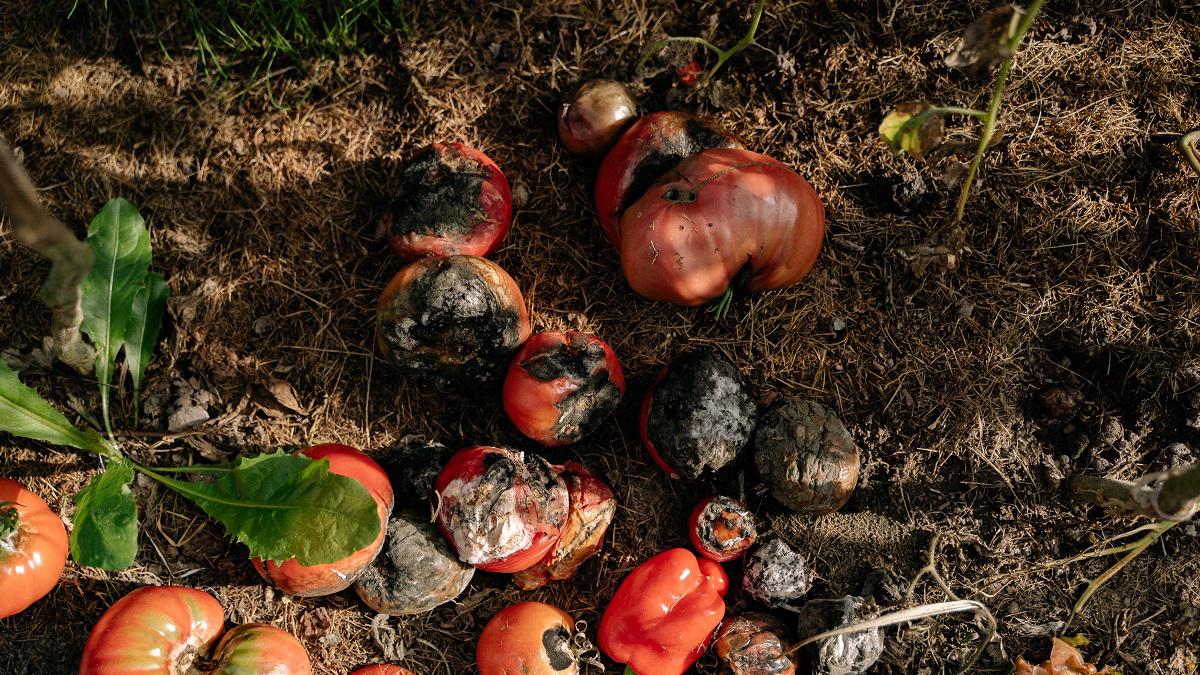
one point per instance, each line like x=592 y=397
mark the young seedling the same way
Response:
x=723 y=55
x=916 y=128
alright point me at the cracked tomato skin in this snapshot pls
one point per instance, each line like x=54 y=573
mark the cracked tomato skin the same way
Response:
x=721 y=213
x=647 y=150
x=153 y=629
x=561 y=386
x=452 y=200
x=528 y=638
x=382 y=669
x=313 y=580
x=33 y=548
x=260 y=649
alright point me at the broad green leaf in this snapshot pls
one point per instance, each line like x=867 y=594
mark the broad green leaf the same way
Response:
x=26 y=414
x=285 y=506
x=119 y=239
x=105 y=530
x=145 y=321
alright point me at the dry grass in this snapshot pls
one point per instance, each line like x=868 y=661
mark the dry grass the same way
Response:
x=1079 y=268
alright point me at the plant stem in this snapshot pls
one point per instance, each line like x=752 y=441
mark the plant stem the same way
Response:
x=953 y=110
x=1189 y=154
x=723 y=55
x=10 y=520
x=989 y=119
x=1135 y=550
x=1180 y=491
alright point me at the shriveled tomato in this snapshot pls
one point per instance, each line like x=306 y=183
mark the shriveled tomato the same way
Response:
x=561 y=386
x=721 y=528
x=260 y=648
x=528 y=638
x=453 y=323
x=646 y=151
x=591 y=120
x=309 y=581
x=153 y=629
x=502 y=510
x=33 y=548
x=451 y=199
x=720 y=214
x=382 y=670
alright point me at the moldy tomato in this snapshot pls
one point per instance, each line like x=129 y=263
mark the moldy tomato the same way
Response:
x=647 y=150
x=721 y=528
x=502 y=510
x=530 y=638
x=720 y=214
x=806 y=456
x=590 y=122
x=33 y=548
x=750 y=644
x=308 y=581
x=452 y=200
x=561 y=386
x=416 y=572
x=452 y=323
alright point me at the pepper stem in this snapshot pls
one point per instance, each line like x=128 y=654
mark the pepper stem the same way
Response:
x=628 y=671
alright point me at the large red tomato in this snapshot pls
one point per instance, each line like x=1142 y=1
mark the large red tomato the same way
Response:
x=502 y=510
x=561 y=386
x=529 y=638
x=646 y=151
x=33 y=548
x=308 y=581
x=154 y=629
x=718 y=213
x=260 y=648
x=452 y=200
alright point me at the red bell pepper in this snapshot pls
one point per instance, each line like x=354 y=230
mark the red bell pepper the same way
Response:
x=662 y=617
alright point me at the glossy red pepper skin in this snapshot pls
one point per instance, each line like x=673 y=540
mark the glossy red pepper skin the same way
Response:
x=662 y=617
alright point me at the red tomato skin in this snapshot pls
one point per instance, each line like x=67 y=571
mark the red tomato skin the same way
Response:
x=33 y=554
x=260 y=648
x=646 y=151
x=152 y=629
x=644 y=429
x=485 y=233
x=564 y=409
x=721 y=210
x=382 y=669
x=515 y=641
x=315 y=580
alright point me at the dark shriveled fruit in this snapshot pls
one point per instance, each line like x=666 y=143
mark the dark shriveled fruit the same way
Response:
x=806 y=457
x=721 y=528
x=416 y=572
x=751 y=644
x=698 y=415
x=591 y=120
x=452 y=323
x=775 y=574
x=844 y=654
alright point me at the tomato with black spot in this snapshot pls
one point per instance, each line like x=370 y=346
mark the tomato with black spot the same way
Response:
x=529 y=638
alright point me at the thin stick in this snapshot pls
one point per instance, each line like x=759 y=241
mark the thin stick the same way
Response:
x=70 y=259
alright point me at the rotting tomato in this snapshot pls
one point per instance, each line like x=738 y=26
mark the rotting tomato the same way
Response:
x=382 y=669
x=453 y=323
x=502 y=510
x=529 y=638
x=647 y=150
x=451 y=200
x=721 y=528
x=806 y=457
x=313 y=580
x=259 y=648
x=416 y=572
x=33 y=548
x=561 y=386
x=752 y=644
x=153 y=629
x=592 y=119
x=722 y=217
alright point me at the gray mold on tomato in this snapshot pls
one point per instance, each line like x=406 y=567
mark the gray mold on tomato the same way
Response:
x=583 y=361
x=776 y=574
x=847 y=654
x=416 y=572
x=806 y=457
x=438 y=194
x=701 y=414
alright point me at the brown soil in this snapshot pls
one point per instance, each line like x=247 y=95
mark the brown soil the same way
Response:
x=1078 y=271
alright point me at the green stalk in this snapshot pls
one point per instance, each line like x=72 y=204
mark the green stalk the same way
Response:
x=10 y=522
x=1134 y=550
x=723 y=55
x=1189 y=154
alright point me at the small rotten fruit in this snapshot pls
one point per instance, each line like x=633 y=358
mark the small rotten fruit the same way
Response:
x=646 y=151
x=751 y=644
x=1064 y=660
x=592 y=509
x=453 y=323
x=561 y=386
x=776 y=574
x=721 y=528
x=591 y=120
x=413 y=464
x=530 y=638
x=843 y=654
x=502 y=510
x=33 y=548
x=416 y=572
x=698 y=415
x=451 y=200
x=314 y=580
x=806 y=457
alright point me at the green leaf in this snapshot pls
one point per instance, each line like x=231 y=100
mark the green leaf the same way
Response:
x=286 y=506
x=105 y=530
x=145 y=321
x=26 y=414
x=119 y=239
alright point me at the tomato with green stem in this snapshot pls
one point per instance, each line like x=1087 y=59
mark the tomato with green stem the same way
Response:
x=530 y=638
x=33 y=548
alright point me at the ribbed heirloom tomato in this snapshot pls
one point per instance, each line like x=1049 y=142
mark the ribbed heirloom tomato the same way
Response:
x=154 y=629
x=309 y=581
x=721 y=214
x=33 y=548
x=528 y=638
x=259 y=648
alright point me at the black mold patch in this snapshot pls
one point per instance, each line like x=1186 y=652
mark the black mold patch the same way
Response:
x=413 y=466
x=557 y=643
x=584 y=362
x=416 y=572
x=701 y=414
x=438 y=194
x=697 y=135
